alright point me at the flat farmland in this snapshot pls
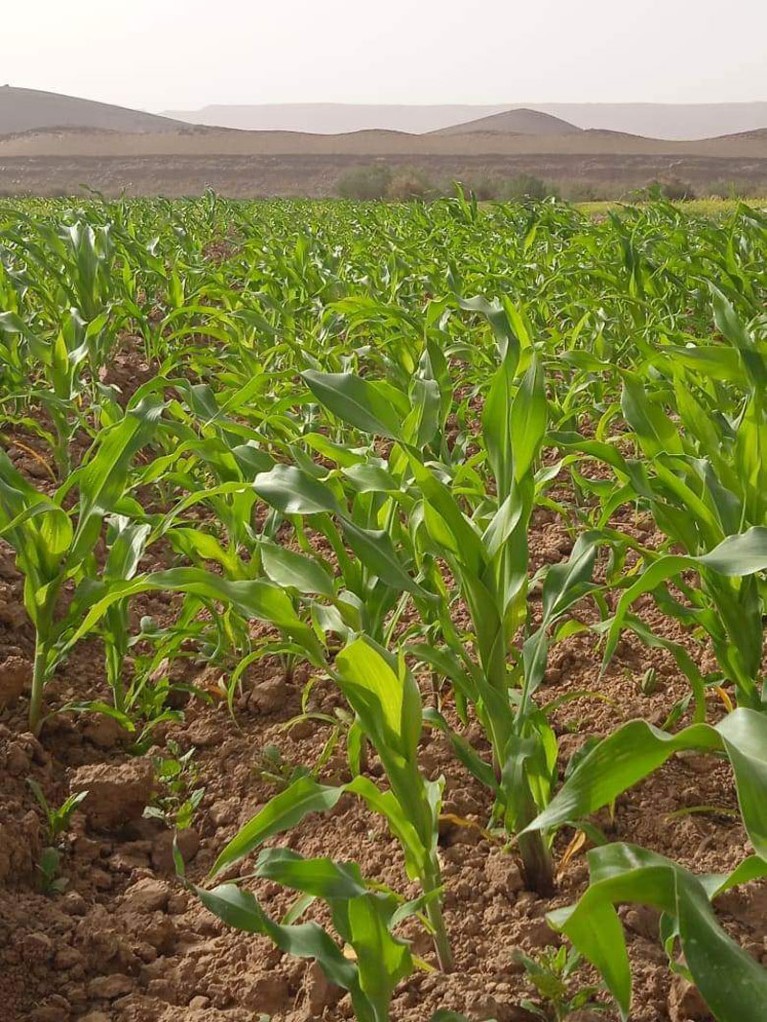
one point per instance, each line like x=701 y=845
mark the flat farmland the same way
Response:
x=382 y=603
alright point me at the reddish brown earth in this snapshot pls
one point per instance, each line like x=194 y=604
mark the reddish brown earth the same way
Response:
x=126 y=942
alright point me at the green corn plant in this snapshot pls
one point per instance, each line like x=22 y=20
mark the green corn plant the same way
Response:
x=178 y=799
x=53 y=545
x=362 y=917
x=623 y=873
x=637 y=749
x=58 y=386
x=490 y=566
x=729 y=573
x=387 y=704
x=126 y=543
x=731 y=982
x=393 y=521
x=57 y=819
x=704 y=482
x=374 y=577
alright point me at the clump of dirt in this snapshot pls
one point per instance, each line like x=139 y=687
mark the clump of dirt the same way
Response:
x=15 y=678
x=116 y=794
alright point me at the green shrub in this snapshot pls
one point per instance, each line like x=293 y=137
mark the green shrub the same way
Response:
x=365 y=183
x=672 y=188
x=527 y=186
x=408 y=184
x=486 y=189
x=582 y=191
x=722 y=190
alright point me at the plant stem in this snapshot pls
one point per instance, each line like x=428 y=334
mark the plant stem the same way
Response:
x=38 y=687
x=537 y=864
x=441 y=941
x=437 y=921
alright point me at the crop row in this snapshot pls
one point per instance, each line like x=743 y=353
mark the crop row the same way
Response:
x=350 y=417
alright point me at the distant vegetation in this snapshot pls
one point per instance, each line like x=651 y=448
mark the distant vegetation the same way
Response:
x=376 y=182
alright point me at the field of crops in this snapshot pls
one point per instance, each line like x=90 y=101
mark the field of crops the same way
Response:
x=382 y=603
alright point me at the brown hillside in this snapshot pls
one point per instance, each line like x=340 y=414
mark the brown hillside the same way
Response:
x=30 y=110
x=210 y=142
x=514 y=122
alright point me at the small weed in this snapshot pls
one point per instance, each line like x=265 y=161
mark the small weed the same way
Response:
x=552 y=972
x=57 y=821
x=278 y=771
x=179 y=799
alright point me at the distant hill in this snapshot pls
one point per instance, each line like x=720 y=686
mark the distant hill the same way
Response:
x=514 y=122
x=30 y=110
x=334 y=118
x=672 y=121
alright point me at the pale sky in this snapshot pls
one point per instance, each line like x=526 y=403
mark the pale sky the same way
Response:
x=185 y=54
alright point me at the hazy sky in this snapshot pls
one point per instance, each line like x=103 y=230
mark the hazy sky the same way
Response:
x=184 y=54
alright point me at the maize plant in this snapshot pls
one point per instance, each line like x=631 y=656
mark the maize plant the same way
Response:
x=387 y=705
x=488 y=557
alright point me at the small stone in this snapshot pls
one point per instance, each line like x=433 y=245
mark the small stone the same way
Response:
x=146 y=953
x=101 y=880
x=503 y=873
x=643 y=921
x=77 y=996
x=162 y=851
x=320 y=993
x=105 y=732
x=538 y=934
x=15 y=677
x=109 y=988
x=160 y=935
x=551 y=555
x=17 y=761
x=452 y=833
x=146 y=895
x=223 y=813
x=74 y=904
x=267 y=993
x=269 y=697
x=178 y=903
x=67 y=958
x=117 y=793
x=685 y=1003
x=128 y=861
x=87 y=849
x=509 y=962
x=34 y=468
x=199 y=1003
x=52 y=1011
x=162 y=989
x=12 y=611
x=302 y=729
x=204 y=733
x=37 y=947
